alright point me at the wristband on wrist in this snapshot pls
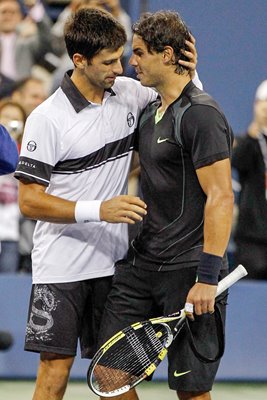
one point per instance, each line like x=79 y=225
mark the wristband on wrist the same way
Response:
x=87 y=211
x=209 y=268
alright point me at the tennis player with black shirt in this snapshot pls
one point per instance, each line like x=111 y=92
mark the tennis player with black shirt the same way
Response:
x=179 y=255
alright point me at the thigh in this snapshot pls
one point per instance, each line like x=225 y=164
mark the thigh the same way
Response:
x=55 y=317
x=129 y=300
x=170 y=289
x=186 y=372
x=93 y=312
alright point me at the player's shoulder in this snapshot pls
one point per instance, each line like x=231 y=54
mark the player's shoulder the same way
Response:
x=197 y=103
x=53 y=108
x=123 y=82
x=124 y=85
x=205 y=99
x=50 y=104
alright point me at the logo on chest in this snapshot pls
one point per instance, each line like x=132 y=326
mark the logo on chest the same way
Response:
x=161 y=140
x=130 y=119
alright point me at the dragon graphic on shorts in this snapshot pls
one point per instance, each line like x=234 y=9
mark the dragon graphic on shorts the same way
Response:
x=41 y=320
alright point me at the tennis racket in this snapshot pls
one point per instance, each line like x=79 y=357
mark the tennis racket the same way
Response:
x=134 y=353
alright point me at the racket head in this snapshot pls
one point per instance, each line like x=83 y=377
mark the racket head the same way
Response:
x=129 y=357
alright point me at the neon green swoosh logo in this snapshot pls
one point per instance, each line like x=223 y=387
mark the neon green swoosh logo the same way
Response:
x=177 y=374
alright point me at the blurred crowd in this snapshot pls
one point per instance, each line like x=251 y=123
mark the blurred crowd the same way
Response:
x=249 y=163
x=33 y=60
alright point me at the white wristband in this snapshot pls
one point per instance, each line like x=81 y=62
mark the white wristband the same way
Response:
x=87 y=211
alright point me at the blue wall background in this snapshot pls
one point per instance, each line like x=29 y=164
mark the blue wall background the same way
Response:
x=246 y=345
x=232 y=48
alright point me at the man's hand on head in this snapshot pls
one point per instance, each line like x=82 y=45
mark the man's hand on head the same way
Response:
x=191 y=55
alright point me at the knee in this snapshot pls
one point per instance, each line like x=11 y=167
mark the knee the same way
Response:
x=54 y=370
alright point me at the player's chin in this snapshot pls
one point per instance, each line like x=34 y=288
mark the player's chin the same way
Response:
x=145 y=82
x=109 y=82
x=143 y=79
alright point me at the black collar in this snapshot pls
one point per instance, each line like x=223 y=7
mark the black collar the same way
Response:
x=78 y=101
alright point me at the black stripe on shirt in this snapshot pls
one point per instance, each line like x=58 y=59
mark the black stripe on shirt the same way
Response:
x=109 y=152
x=40 y=172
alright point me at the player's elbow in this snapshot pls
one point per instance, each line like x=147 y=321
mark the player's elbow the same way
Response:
x=227 y=200
x=25 y=206
x=27 y=203
x=30 y=199
x=230 y=198
x=221 y=199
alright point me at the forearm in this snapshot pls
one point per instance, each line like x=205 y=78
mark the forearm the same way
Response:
x=45 y=207
x=217 y=223
x=217 y=228
x=36 y=204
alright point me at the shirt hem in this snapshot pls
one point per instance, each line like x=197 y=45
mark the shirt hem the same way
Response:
x=77 y=278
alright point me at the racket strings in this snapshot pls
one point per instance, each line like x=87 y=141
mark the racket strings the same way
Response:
x=137 y=347
x=155 y=336
x=126 y=362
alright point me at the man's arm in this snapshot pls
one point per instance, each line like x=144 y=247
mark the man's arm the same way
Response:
x=35 y=203
x=216 y=183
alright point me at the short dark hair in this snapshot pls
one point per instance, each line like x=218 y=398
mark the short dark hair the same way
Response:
x=164 y=28
x=88 y=31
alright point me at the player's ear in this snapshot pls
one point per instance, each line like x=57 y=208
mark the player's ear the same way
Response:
x=79 y=60
x=168 y=55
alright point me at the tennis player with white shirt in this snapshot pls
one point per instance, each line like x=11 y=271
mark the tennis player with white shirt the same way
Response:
x=73 y=170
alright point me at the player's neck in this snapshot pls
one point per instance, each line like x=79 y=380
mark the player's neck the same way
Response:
x=171 y=88
x=92 y=93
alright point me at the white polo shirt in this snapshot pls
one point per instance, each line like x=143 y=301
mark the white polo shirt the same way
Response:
x=81 y=151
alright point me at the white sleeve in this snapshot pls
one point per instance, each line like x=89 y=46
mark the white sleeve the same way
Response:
x=197 y=81
x=40 y=150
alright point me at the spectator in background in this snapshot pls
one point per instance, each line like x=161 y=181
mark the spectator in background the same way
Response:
x=8 y=163
x=250 y=161
x=12 y=117
x=24 y=40
x=29 y=93
x=64 y=63
x=6 y=86
x=113 y=6
x=8 y=152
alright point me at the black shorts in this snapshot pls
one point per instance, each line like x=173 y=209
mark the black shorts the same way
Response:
x=62 y=313
x=139 y=294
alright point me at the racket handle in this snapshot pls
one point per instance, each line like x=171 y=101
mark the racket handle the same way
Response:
x=230 y=279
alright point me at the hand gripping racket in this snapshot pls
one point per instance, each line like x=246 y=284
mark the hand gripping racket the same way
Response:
x=134 y=353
